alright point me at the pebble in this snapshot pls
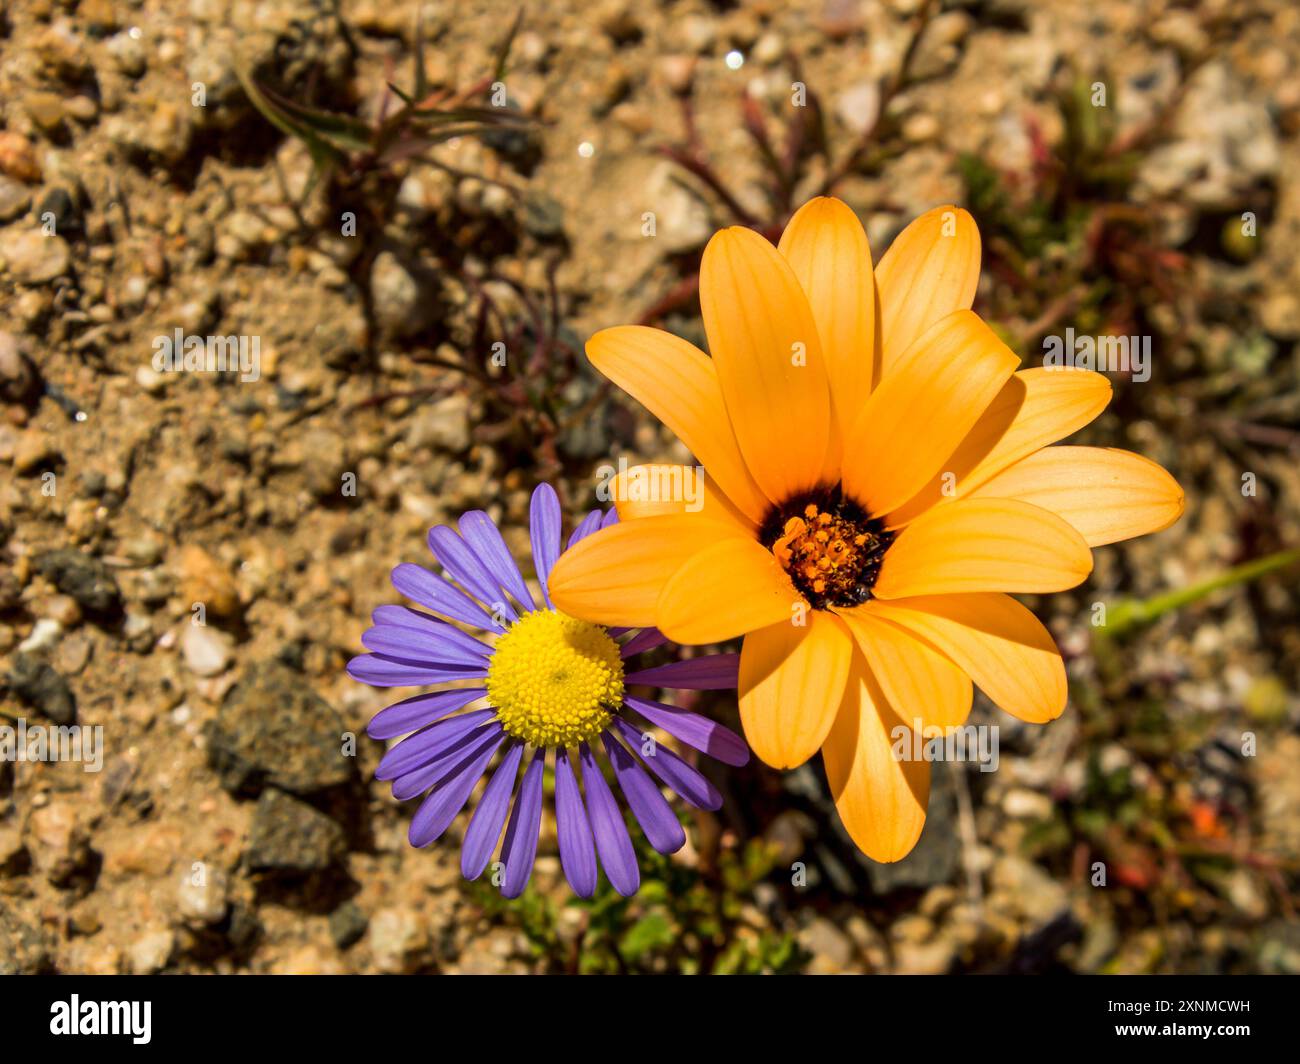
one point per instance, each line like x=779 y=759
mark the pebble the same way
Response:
x=151 y=952
x=15 y=199
x=45 y=633
x=273 y=729
x=288 y=835
x=13 y=852
x=58 y=842
x=207 y=651
x=34 y=258
x=348 y=924
x=45 y=109
x=63 y=609
x=928 y=958
x=19 y=380
x=82 y=108
x=137 y=630
x=25 y=949
x=398 y=939
x=202 y=895
x=129 y=53
x=204 y=579
x=920 y=128
x=832 y=950
x=18 y=157
x=682 y=221
x=87 y=579
x=39 y=686
x=1022 y=804
x=165 y=133
x=72 y=655
x=858 y=106
x=444 y=424
x=401 y=308
x=1027 y=888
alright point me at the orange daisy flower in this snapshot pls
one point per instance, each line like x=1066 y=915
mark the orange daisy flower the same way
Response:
x=879 y=481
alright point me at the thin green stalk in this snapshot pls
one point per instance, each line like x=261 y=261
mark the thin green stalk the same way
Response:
x=1130 y=614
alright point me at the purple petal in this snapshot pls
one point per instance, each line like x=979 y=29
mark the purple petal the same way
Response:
x=650 y=808
x=419 y=710
x=456 y=556
x=646 y=639
x=420 y=779
x=588 y=525
x=577 y=850
x=707 y=736
x=611 y=518
x=485 y=825
x=544 y=529
x=435 y=593
x=425 y=745
x=520 y=847
x=405 y=617
x=713 y=672
x=483 y=536
x=676 y=773
x=438 y=810
x=612 y=840
x=379 y=670
x=414 y=644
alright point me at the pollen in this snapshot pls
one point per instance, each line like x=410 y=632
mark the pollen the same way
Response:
x=555 y=680
x=830 y=548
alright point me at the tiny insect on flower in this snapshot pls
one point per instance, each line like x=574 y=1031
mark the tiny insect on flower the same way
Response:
x=879 y=480
x=551 y=681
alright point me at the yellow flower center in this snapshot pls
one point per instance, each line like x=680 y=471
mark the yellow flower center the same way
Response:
x=830 y=548
x=555 y=680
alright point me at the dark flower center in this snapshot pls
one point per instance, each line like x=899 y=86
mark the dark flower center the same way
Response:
x=829 y=546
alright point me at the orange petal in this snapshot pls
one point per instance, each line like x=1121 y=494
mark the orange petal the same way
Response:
x=678 y=383
x=930 y=270
x=656 y=489
x=1103 y=493
x=996 y=641
x=984 y=545
x=921 y=411
x=616 y=576
x=827 y=248
x=726 y=590
x=791 y=681
x=769 y=360
x=918 y=680
x=880 y=797
x=1035 y=408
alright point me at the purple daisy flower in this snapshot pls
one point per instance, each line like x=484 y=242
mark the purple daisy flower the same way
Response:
x=551 y=682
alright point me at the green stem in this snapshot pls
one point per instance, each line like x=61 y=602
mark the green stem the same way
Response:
x=1130 y=614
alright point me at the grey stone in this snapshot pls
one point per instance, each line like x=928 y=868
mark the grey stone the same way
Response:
x=38 y=685
x=289 y=835
x=24 y=947
x=85 y=578
x=273 y=729
x=347 y=924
